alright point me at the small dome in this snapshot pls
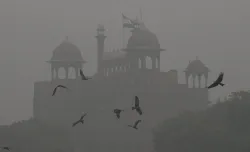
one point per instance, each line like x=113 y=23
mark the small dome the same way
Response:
x=143 y=38
x=197 y=66
x=67 y=51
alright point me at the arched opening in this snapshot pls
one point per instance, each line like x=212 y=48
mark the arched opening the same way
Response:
x=61 y=73
x=139 y=63
x=192 y=81
x=72 y=73
x=148 y=62
x=116 y=69
x=107 y=71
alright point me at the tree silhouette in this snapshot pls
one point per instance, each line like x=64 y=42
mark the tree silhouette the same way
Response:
x=224 y=127
x=32 y=135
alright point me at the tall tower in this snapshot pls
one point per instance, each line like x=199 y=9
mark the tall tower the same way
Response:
x=100 y=46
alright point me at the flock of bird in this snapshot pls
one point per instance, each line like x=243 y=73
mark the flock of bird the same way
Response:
x=136 y=106
x=117 y=112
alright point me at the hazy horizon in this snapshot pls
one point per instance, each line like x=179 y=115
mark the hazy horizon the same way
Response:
x=217 y=31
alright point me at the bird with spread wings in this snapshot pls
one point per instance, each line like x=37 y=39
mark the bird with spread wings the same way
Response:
x=80 y=120
x=58 y=86
x=135 y=124
x=83 y=76
x=118 y=113
x=217 y=82
x=137 y=106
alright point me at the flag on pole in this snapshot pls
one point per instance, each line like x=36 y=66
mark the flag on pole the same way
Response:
x=129 y=23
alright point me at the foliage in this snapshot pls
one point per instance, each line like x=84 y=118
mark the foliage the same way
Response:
x=32 y=135
x=224 y=127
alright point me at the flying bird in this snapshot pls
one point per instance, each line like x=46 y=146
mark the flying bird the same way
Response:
x=5 y=148
x=118 y=112
x=80 y=120
x=217 y=82
x=59 y=86
x=135 y=124
x=83 y=76
x=137 y=106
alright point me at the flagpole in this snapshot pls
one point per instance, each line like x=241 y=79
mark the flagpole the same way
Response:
x=140 y=14
x=122 y=31
x=123 y=37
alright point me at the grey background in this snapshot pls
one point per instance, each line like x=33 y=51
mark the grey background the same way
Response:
x=217 y=31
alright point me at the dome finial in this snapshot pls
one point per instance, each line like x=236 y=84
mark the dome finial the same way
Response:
x=196 y=57
x=67 y=38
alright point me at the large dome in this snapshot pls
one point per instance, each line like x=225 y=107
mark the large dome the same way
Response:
x=197 y=66
x=143 y=38
x=67 y=51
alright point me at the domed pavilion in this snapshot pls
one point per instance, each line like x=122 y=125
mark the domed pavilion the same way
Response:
x=66 y=56
x=196 y=69
x=143 y=45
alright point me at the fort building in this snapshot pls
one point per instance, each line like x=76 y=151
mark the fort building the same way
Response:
x=121 y=74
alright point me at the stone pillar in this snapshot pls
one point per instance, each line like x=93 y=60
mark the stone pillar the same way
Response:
x=153 y=63
x=144 y=63
x=107 y=72
x=158 y=60
x=156 y=63
x=76 y=73
x=199 y=81
x=117 y=68
x=206 y=78
x=121 y=69
x=52 y=73
x=57 y=71
x=139 y=63
x=66 y=68
x=194 y=76
x=187 y=76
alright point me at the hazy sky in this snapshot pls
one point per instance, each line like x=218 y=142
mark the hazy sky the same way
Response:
x=215 y=30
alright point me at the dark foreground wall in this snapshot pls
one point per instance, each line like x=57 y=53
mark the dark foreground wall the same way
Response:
x=101 y=130
x=34 y=136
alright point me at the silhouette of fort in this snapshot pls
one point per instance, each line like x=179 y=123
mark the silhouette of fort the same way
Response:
x=121 y=74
